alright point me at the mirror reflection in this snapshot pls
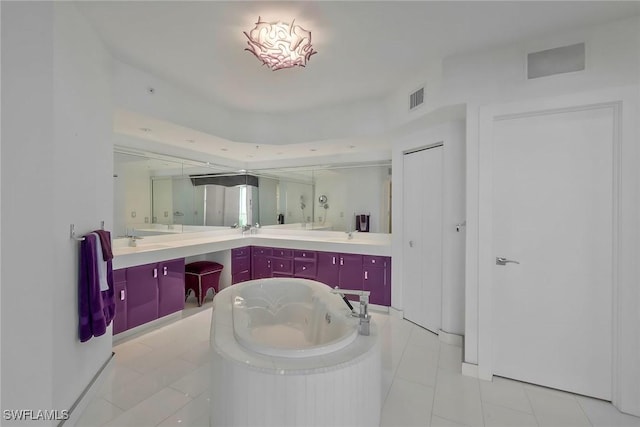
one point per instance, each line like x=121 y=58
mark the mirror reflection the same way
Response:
x=156 y=194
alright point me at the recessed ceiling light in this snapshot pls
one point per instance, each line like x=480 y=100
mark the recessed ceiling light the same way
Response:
x=145 y=129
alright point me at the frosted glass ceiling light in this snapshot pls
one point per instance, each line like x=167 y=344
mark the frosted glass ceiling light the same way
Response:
x=279 y=44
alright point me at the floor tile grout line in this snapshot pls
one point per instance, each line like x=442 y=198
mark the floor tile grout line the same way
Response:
x=177 y=410
x=584 y=412
x=395 y=371
x=535 y=416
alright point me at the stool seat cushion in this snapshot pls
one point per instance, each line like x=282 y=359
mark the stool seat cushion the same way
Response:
x=203 y=267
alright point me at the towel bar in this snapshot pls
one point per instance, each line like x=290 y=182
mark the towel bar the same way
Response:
x=72 y=231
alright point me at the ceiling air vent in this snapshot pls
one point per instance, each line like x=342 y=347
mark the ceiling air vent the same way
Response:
x=559 y=60
x=416 y=98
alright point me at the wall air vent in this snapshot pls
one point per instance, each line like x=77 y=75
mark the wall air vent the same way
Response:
x=559 y=60
x=416 y=98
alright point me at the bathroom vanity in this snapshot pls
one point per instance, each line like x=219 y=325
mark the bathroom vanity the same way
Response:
x=149 y=277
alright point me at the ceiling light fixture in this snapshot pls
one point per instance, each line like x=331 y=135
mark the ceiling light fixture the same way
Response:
x=279 y=44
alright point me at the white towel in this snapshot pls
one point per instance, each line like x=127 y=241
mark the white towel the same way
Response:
x=102 y=265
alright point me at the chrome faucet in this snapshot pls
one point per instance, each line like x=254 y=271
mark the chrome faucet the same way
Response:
x=364 y=316
x=133 y=240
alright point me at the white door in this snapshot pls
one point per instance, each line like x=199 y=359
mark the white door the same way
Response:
x=552 y=212
x=422 y=229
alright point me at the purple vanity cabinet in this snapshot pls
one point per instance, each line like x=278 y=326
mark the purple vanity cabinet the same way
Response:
x=377 y=279
x=120 y=295
x=142 y=294
x=170 y=286
x=328 y=268
x=240 y=264
x=261 y=262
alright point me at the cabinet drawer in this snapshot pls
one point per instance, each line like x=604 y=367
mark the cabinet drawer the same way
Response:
x=240 y=252
x=281 y=265
x=376 y=261
x=259 y=250
x=283 y=253
x=240 y=264
x=305 y=254
x=305 y=268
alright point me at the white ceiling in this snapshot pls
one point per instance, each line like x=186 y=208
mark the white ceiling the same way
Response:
x=365 y=50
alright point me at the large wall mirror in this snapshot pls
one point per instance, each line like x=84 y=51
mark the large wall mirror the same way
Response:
x=157 y=194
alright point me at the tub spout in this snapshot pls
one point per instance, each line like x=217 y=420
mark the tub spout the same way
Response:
x=364 y=316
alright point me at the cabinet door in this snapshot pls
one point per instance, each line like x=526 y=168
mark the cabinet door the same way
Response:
x=142 y=294
x=328 y=268
x=261 y=267
x=375 y=281
x=351 y=276
x=120 y=295
x=170 y=287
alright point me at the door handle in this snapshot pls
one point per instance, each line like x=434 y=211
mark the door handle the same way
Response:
x=504 y=261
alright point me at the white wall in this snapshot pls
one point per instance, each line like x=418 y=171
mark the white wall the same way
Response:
x=57 y=153
x=452 y=136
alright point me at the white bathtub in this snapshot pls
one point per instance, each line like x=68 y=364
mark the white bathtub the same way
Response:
x=287 y=352
x=296 y=318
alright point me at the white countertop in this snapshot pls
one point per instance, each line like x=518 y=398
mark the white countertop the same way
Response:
x=161 y=248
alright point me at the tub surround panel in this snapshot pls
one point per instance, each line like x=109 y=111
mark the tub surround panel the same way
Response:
x=341 y=388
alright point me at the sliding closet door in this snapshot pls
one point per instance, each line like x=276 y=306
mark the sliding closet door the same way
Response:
x=422 y=230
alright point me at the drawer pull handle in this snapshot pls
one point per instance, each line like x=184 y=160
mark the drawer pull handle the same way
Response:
x=122 y=295
x=334 y=260
x=366 y=275
x=164 y=271
x=304 y=268
x=155 y=273
x=341 y=261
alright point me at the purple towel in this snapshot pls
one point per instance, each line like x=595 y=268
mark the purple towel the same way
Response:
x=95 y=308
x=105 y=240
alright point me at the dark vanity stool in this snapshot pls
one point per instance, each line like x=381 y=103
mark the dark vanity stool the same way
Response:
x=200 y=276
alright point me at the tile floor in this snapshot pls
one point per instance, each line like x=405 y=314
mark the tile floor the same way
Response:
x=161 y=378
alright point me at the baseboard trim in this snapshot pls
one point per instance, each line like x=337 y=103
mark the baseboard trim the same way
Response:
x=88 y=394
x=146 y=327
x=470 y=370
x=399 y=314
x=451 y=339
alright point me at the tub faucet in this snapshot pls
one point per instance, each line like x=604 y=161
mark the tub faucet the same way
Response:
x=364 y=316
